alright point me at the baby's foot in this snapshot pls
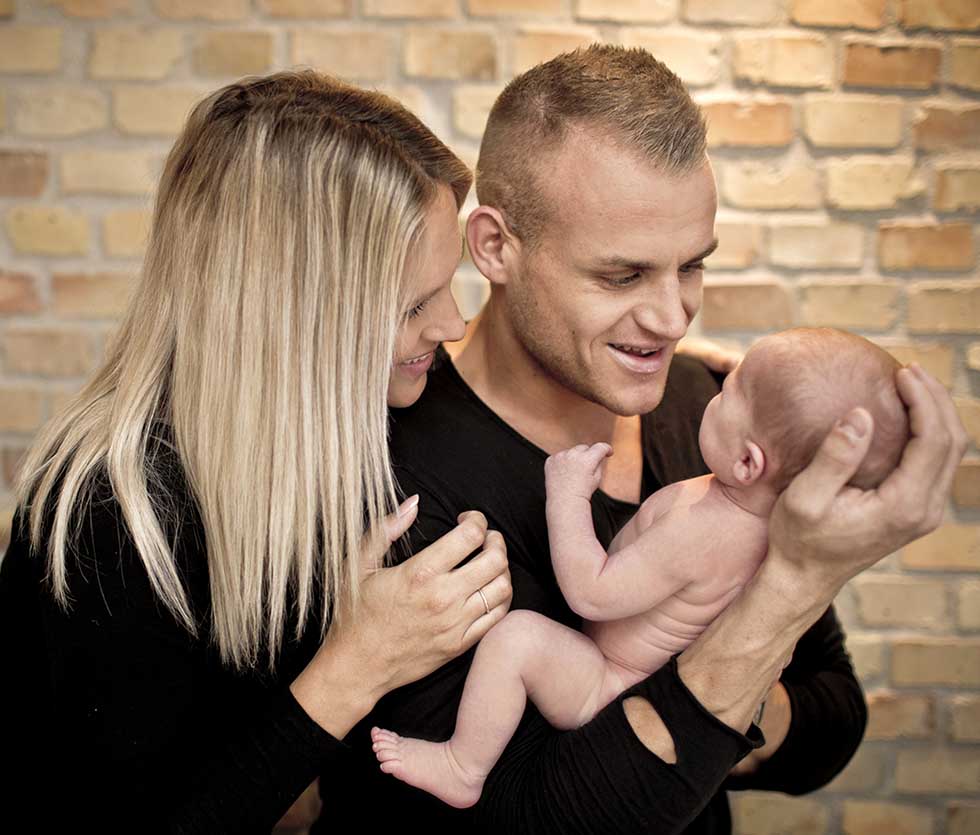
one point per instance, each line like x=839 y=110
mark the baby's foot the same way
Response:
x=429 y=766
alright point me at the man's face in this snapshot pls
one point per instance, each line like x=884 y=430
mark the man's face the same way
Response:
x=615 y=279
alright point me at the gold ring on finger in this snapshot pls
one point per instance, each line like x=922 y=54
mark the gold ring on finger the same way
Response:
x=483 y=597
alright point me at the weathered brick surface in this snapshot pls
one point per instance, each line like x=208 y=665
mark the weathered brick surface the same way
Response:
x=58 y=112
x=947 y=126
x=934 y=357
x=47 y=230
x=124 y=232
x=865 y=772
x=450 y=53
x=947 y=14
x=403 y=8
x=963 y=818
x=784 y=60
x=973 y=356
x=964 y=63
x=966 y=484
x=90 y=295
x=135 y=52
x=30 y=49
x=94 y=9
x=696 y=58
x=969 y=411
x=868 y=183
x=968 y=605
x=18 y=294
x=762 y=185
x=233 y=53
x=23 y=173
x=748 y=122
x=627 y=11
x=907 y=245
x=944 y=307
x=891 y=601
x=950 y=548
x=733 y=12
x=47 y=352
x=867 y=654
x=93 y=171
x=896 y=715
x=514 y=8
x=23 y=407
x=153 y=111
x=356 y=54
x=196 y=10
x=957 y=187
x=739 y=245
x=471 y=107
x=914 y=66
x=862 y=817
x=746 y=305
x=965 y=718
x=837 y=121
x=773 y=814
x=10 y=460
x=937 y=771
x=862 y=14
x=864 y=304
x=951 y=661
x=816 y=243
x=532 y=46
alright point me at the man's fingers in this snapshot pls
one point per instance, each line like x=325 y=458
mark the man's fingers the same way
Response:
x=836 y=461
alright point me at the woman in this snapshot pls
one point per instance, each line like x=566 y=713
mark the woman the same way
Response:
x=192 y=611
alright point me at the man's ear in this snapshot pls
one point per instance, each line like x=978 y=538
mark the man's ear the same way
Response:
x=751 y=464
x=491 y=243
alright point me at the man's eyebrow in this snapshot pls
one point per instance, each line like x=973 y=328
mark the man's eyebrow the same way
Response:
x=711 y=248
x=628 y=263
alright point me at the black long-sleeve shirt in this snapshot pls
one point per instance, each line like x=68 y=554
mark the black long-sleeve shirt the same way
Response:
x=458 y=455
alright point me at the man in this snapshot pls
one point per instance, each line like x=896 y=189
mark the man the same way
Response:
x=597 y=211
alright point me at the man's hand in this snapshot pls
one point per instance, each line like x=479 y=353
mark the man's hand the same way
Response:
x=831 y=531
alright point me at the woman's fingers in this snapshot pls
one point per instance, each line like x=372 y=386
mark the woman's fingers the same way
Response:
x=450 y=550
x=489 y=563
x=483 y=624
x=402 y=519
x=495 y=593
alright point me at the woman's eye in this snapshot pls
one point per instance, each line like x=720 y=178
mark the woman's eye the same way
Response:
x=415 y=311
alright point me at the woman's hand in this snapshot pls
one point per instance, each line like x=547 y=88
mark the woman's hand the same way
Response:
x=412 y=619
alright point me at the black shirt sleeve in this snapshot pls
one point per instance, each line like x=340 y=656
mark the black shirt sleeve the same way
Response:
x=120 y=720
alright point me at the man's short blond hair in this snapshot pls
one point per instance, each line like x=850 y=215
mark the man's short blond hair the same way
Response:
x=621 y=92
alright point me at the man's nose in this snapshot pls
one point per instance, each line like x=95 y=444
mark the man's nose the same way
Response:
x=663 y=311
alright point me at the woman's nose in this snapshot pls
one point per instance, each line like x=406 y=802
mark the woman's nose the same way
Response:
x=447 y=324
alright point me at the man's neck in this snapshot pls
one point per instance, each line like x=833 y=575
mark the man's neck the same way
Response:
x=500 y=371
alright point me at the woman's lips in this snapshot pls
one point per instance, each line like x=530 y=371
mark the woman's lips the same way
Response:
x=416 y=366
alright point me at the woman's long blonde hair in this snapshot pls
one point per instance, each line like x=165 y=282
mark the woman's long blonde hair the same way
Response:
x=261 y=334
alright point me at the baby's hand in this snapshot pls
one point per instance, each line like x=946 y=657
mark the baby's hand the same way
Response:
x=576 y=471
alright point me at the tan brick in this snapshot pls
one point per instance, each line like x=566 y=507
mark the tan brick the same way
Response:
x=950 y=661
x=535 y=46
x=957 y=187
x=733 y=12
x=966 y=484
x=968 y=605
x=23 y=408
x=23 y=173
x=47 y=352
x=456 y=54
x=746 y=305
x=12 y=457
x=965 y=718
x=30 y=49
x=47 y=230
x=765 y=813
x=950 y=548
x=894 y=715
x=969 y=411
x=816 y=243
x=410 y=8
x=153 y=111
x=696 y=58
x=231 y=53
x=7 y=8
x=135 y=52
x=964 y=63
x=860 y=14
x=196 y=10
x=627 y=11
x=515 y=8
x=18 y=294
x=739 y=245
x=963 y=818
x=891 y=64
x=748 y=122
x=862 y=304
x=90 y=296
x=784 y=60
x=124 y=232
x=973 y=356
x=940 y=127
x=869 y=183
x=471 y=106
x=944 y=307
x=412 y=97
x=907 y=245
x=92 y=171
x=947 y=14
x=938 y=771
x=355 y=54
x=863 y=817
x=935 y=358
x=92 y=9
x=900 y=601
x=58 y=112
x=3 y=110
x=836 y=121
x=867 y=655
x=763 y=185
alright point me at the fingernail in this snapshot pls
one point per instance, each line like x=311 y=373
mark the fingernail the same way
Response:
x=408 y=505
x=853 y=428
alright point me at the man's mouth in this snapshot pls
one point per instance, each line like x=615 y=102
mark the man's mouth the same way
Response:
x=636 y=350
x=639 y=358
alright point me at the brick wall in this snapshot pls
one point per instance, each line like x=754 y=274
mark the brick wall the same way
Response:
x=846 y=140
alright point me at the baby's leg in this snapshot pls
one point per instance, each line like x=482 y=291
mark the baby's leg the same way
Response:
x=525 y=655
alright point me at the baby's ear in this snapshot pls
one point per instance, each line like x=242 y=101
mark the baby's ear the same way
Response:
x=750 y=465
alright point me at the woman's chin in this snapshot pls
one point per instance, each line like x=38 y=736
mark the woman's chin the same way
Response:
x=403 y=391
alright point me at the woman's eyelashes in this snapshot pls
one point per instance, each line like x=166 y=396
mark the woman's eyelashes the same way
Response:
x=415 y=311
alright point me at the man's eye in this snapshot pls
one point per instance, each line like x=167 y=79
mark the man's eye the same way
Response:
x=693 y=268
x=623 y=281
x=415 y=311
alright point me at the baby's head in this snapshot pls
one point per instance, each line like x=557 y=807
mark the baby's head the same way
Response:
x=786 y=395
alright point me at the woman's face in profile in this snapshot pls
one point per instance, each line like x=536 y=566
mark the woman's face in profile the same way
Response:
x=433 y=316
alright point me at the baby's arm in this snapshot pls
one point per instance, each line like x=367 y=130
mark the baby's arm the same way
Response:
x=600 y=586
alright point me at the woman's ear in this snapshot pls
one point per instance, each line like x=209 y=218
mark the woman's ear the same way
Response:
x=750 y=465
x=490 y=243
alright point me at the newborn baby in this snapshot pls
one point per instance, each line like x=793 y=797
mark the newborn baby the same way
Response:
x=674 y=566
